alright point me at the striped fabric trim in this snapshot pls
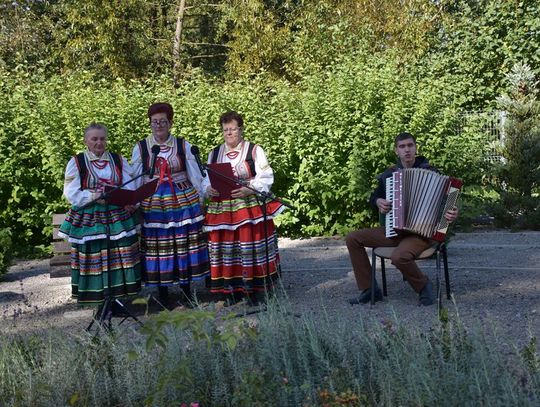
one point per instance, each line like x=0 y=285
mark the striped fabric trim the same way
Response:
x=89 y=218
x=234 y=205
x=94 y=274
x=221 y=215
x=94 y=260
x=163 y=211
x=167 y=202
x=174 y=224
x=238 y=259
x=92 y=223
x=84 y=239
x=255 y=221
x=247 y=254
x=174 y=247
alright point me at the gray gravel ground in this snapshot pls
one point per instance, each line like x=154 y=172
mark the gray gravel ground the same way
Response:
x=495 y=278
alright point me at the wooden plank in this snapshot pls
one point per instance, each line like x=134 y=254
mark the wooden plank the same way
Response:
x=60 y=260
x=58 y=218
x=62 y=247
x=60 y=264
x=55 y=233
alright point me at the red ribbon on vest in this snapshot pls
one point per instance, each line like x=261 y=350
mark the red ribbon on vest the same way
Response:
x=165 y=171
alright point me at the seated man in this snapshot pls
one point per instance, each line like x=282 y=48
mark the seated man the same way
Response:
x=408 y=247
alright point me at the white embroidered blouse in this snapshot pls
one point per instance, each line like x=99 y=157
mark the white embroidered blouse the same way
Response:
x=168 y=151
x=101 y=169
x=264 y=177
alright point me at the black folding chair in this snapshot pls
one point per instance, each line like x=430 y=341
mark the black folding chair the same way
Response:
x=383 y=253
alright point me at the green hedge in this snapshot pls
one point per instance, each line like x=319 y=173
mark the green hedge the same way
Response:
x=326 y=137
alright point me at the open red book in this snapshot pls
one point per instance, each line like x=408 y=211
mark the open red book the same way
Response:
x=123 y=197
x=223 y=185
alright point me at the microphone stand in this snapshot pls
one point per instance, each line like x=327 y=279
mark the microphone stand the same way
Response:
x=104 y=311
x=262 y=198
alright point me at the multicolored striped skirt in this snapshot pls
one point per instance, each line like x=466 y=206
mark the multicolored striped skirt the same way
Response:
x=241 y=259
x=173 y=244
x=99 y=269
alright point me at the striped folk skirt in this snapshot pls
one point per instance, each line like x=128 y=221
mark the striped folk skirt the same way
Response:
x=241 y=259
x=92 y=258
x=173 y=244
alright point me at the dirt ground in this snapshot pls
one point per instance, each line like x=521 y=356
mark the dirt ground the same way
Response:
x=495 y=278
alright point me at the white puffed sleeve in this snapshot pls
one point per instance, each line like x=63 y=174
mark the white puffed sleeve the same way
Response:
x=136 y=166
x=194 y=173
x=72 y=186
x=127 y=175
x=264 y=177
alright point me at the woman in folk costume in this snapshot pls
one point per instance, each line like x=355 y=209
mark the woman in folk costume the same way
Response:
x=236 y=224
x=173 y=245
x=87 y=228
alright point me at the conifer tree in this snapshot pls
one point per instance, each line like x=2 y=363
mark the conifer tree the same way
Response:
x=518 y=176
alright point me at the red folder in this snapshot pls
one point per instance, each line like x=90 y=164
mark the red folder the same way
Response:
x=223 y=185
x=123 y=197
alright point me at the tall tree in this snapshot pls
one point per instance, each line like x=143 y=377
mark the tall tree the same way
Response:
x=518 y=178
x=25 y=33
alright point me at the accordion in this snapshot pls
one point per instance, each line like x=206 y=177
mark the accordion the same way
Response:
x=420 y=198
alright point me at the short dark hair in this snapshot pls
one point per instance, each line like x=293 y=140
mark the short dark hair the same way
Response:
x=96 y=126
x=403 y=136
x=161 y=107
x=229 y=116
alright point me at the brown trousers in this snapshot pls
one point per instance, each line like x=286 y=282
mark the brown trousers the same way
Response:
x=403 y=258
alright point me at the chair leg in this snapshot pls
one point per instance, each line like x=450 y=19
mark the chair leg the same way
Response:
x=446 y=274
x=383 y=273
x=438 y=277
x=373 y=279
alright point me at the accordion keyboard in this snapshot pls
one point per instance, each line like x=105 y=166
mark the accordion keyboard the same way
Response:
x=389 y=221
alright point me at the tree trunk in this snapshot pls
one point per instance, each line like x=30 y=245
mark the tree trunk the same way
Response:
x=177 y=47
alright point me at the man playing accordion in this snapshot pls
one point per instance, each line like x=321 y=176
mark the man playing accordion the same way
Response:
x=408 y=246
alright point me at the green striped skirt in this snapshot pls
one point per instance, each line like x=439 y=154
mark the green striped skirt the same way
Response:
x=102 y=266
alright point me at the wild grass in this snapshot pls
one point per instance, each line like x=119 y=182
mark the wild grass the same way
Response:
x=275 y=358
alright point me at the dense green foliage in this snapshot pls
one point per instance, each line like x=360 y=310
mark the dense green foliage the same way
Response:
x=326 y=137
x=324 y=86
x=282 y=360
x=479 y=42
x=476 y=41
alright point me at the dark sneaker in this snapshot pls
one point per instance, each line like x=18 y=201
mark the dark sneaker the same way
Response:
x=163 y=292
x=365 y=296
x=426 y=296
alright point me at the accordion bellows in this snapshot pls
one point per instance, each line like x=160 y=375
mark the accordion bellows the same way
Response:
x=420 y=198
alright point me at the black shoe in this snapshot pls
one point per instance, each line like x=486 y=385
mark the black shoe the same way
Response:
x=163 y=292
x=426 y=296
x=365 y=296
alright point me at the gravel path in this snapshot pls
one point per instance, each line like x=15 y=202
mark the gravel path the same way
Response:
x=495 y=278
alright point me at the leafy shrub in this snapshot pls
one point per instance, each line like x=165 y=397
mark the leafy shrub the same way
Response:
x=326 y=137
x=6 y=249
